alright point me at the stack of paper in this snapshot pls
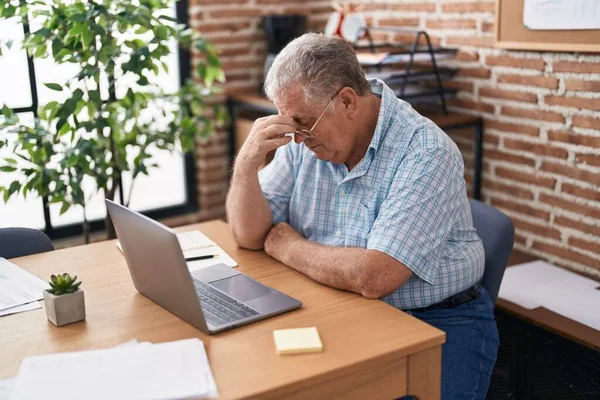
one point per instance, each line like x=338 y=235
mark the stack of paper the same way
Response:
x=19 y=290
x=173 y=370
x=195 y=244
x=539 y=283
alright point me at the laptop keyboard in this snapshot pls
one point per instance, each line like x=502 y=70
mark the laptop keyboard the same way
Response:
x=218 y=307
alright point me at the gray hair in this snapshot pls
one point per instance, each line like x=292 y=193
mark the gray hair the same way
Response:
x=320 y=65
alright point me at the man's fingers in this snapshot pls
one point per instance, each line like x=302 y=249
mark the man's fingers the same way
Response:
x=278 y=130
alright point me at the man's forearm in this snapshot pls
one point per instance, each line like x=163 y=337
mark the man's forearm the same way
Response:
x=248 y=211
x=371 y=273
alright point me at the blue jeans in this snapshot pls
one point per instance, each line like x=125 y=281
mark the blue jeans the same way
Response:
x=471 y=347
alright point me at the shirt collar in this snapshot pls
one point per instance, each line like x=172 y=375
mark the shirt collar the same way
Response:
x=388 y=103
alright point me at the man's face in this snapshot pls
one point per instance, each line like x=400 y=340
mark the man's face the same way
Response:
x=329 y=138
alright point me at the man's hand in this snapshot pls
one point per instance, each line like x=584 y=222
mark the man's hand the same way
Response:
x=279 y=238
x=266 y=134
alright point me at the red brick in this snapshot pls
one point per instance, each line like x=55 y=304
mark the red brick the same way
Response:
x=571 y=172
x=195 y=2
x=575 y=102
x=539 y=81
x=588 y=229
x=526 y=177
x=586 y=122
x=470 y=104
x=466 y=56
x=466 y=7
x=481 y=41
x=585 y=86
x=530 y=63
x=574 y=138
x=537 y=148
x=235 y=13
x=520 y=239
x=585 y=245
x=506 y=157
x=460 y=85
x=508 y=189
x=508 y=94
x=510 y=127
x=526 y=209
x=412 y=7
x=589 y=159
x=533 y=114
x=235 y=64
x=581 y=192
x=540 y=230
x=487 y=26
x=566 y=254
x=399 y=22
x=474 y=72
x=582 y=67
x=237 y=38
x=451 y=24
x=569 y=205
x=224 y=26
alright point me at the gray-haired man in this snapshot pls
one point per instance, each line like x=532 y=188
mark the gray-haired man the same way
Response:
x=370 y=198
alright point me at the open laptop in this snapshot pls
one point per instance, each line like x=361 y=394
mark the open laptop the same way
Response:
x=212 y=299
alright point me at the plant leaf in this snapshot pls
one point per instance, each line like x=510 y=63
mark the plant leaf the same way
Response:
x=54 y=86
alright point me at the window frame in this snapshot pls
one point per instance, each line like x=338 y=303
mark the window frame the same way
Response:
x=191 y=203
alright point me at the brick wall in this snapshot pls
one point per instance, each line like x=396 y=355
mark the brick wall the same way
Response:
x=541 y=111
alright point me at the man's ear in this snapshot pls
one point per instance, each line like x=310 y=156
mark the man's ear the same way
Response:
x=349 y=101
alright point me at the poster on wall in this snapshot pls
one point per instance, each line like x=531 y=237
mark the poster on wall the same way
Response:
x=561 y=14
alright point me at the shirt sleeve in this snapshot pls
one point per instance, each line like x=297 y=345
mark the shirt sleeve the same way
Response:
x=277 y=182
x=416 y=218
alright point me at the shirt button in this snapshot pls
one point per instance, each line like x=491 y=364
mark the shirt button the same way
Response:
x=338 y=233
x=343 y=193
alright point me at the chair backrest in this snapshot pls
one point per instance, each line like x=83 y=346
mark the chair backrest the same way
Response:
x=18 y=242
x=497 y=233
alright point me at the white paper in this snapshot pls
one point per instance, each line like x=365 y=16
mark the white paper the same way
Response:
x=34 y=305
x=194 y=244
x=18 y=286
x=581 y=305
x=6 y=386
x=539 y=283
x=173 y=370
x=561 y=14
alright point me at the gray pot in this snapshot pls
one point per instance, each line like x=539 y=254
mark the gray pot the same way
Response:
x=66 y=308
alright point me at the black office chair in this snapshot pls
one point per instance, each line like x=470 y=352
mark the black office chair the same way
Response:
x=18 y=242
x=497 y=233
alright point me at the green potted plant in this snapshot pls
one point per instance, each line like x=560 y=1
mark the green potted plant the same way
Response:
x=64 y=301
x=104 y=126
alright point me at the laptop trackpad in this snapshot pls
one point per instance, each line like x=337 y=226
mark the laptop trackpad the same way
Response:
x=242 y=288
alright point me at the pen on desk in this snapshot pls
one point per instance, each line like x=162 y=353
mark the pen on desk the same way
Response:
x=206 y=257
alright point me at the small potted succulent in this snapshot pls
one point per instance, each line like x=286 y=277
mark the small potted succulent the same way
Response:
x=64 y=300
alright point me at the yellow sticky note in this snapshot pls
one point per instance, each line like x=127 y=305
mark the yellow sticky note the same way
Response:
x=300 y=340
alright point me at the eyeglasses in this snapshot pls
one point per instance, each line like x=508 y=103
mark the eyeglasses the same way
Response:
x=308 y=134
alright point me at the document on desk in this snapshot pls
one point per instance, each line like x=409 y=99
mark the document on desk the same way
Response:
x=195 y=244
x=34 y=305
x=172 y=370
x=541 y=284
x=18 y=287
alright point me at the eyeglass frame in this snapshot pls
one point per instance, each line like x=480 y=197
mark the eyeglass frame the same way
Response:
x=308 y=134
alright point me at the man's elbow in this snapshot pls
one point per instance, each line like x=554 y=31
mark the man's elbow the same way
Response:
x=378 y=277
x=249 y=243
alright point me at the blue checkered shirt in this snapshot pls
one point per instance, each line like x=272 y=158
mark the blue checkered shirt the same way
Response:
x=406 y=198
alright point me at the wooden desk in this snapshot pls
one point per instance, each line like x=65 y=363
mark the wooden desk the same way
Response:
x=543 y=355
x=371 y=350
x=254 y=102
